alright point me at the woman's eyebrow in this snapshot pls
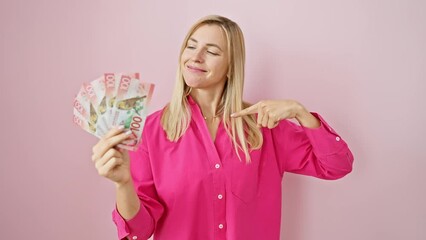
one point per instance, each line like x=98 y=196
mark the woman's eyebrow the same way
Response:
x=208 y=44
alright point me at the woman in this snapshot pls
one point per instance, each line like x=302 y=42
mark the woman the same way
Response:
x=210 y=166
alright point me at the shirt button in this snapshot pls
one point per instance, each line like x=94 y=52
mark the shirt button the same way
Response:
x=220 y=226
x=337 y=139
x=135 y=237
x=220 y=196
x=217 y=165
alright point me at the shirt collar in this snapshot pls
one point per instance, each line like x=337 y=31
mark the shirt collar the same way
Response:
x=191 y=100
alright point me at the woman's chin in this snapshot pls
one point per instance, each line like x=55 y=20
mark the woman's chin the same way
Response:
x=193 y=83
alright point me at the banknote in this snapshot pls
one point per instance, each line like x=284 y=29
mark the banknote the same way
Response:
x=111 y=100
x=95 y=91
x=124 y=83
x=130 y=104
x=111 y=84
x=87 y=111
x=86 y=125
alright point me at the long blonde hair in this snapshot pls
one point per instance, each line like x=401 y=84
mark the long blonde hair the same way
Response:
x=243 y=131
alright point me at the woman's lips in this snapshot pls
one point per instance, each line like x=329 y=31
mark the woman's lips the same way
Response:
x=195 y=69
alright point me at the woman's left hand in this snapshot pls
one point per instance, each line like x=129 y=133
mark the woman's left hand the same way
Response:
x=270 y=112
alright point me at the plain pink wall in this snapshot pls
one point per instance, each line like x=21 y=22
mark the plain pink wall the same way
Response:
x=361 y=64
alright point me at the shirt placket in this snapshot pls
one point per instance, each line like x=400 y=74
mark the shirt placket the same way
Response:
x=219 y=201
x=218 y=177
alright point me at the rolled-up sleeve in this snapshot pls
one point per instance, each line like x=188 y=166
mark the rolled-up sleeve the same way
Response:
x=318 y=152
x=143 y=224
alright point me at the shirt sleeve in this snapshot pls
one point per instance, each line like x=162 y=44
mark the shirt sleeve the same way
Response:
x=318 y=152
x=142 y=225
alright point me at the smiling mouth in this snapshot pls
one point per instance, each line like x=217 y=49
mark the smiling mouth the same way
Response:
x=195 y=69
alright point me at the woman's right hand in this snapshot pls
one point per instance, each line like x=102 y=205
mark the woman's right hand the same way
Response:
x=110 y=161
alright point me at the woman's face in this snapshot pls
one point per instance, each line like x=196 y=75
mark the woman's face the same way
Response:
x=205 y=58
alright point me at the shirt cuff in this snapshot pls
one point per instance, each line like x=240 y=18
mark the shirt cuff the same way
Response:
x=324 y=139
x=136 y=228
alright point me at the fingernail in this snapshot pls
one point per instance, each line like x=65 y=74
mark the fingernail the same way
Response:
x=121 y=127
x=129 y=132
x=233 y=115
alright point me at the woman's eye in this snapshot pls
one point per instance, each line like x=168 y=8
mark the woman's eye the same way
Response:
x=190 y=47
x=213 y=53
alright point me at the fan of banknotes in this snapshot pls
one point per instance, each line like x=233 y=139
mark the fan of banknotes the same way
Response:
x=114 y=99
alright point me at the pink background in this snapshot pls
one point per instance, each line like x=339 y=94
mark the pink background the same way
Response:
x=361 y=64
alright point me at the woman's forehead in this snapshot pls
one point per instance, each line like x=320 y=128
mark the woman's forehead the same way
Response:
x=209 y=34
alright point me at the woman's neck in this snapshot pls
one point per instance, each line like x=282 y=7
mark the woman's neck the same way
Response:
x=208 y=101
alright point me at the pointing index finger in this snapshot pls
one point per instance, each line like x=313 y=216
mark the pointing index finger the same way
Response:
x=247 y=111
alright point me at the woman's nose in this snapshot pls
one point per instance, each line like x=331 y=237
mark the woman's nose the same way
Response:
x=197 y=56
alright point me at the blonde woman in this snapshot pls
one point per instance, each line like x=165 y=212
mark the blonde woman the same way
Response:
x=210 y=166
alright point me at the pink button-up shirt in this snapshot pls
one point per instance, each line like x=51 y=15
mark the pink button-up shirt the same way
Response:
x=198 y=189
